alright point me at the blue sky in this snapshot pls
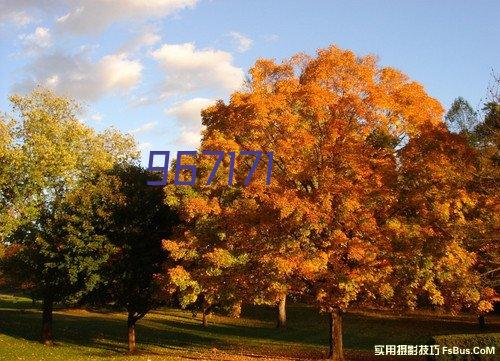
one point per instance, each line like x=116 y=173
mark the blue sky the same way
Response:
x=147 y=67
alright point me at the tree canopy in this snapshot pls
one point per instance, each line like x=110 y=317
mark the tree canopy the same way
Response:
x=57 y=201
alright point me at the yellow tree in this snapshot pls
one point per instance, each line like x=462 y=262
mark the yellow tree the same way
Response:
x=54 y=210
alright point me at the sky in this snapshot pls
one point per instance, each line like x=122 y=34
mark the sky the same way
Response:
x=147 y=67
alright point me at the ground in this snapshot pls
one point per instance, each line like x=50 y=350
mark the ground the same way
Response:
x=171 y=334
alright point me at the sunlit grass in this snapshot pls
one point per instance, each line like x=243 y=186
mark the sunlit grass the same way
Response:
x=170 y=334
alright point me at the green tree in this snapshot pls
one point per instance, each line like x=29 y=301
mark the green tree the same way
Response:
x=59 y=203
x=139 y=222
x=461 y=117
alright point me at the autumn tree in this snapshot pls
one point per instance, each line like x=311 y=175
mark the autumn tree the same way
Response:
x=431 y=227
x=483 y=233
x=482 y=133
x=57 y=211
x=204 y=274
x=222 y=257
x=333 y=123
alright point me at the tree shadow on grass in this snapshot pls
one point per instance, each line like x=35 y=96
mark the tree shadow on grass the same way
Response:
x=173 y=329
x=103 y=333
x=309 y=328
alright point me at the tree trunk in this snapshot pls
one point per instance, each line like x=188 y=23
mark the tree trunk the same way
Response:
x=482 y=322
x=47 y=307
x=132 y=347
x=281 y=320
x=336 y=348
x=204 y=317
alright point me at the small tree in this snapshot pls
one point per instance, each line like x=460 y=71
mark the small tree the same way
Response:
x=462 y=118
x=139 y=222
x=203 y=273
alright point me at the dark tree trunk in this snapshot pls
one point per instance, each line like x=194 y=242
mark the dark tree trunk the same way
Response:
x=132 y=347
x=204 y=317
x=336 y=348
x=482 y=322
x=47 y=308
x=281 y=319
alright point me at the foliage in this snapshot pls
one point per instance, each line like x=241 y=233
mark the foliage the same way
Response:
x=57 y=200
x=139 y=222
x=333 y=123
x=431 y=225
x=461 y=117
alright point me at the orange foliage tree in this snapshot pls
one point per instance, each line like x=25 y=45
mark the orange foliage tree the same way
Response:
x=431 y=226
x=323 y=227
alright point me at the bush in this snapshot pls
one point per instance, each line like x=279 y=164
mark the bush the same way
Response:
x=467 y=347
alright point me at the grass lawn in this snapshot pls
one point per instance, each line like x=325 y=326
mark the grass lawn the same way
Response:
x=170 y=334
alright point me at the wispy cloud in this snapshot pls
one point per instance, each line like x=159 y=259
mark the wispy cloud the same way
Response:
x=271 y=38
x=146 y=127
x=36 y=41
x=242 y=42
x=94 y=16
x=187 y=115
x=147 y=37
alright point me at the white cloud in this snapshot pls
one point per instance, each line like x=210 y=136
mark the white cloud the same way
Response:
x=188 y=69
x=94 y=16
x=188 y=118
x=88 y=16
x=272 y=38
x=242 y=42
x=19 y=18
x=188 y=113
x=76 y=75
x=147 y=37
x=97 y=117
x=118 y=72
x=146 y=127
x=144 y=146
x=37 y=40
x=189 y=139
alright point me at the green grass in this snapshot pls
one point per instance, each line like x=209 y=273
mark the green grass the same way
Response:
x=170 y=334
